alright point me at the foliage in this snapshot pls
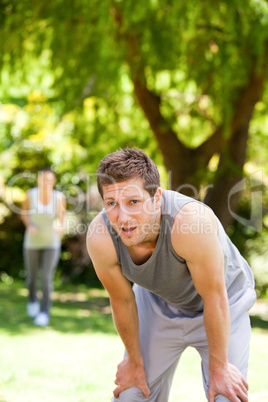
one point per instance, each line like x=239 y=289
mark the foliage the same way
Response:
x=253 y=246
x=188 y=55
x=67 y=84
x=257 y=151
x=191 y=53
x=36 y=135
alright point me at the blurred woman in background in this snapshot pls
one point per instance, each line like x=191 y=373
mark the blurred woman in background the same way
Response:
x=43 y=216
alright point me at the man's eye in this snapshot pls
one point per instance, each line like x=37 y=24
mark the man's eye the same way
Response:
x=134 y=201
x=111 y=204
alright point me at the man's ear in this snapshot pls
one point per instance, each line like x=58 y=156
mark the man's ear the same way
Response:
x=157 y=198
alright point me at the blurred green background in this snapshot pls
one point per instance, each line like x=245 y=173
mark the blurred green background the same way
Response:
x=184 y=81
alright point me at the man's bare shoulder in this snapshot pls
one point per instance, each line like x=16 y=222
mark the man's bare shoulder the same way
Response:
x=97 y=228
x=195 y=224
x=99 y=242
x=193 y=218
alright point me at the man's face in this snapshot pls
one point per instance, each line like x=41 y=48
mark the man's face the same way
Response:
x=133 y=214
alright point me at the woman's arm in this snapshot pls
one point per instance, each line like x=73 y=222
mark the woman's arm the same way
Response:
x=25 y=216
x=61 y=209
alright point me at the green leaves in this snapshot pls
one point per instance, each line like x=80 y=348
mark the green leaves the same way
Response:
x=196 y=57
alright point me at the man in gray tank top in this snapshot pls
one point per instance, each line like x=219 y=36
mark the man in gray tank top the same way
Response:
x=191 y=286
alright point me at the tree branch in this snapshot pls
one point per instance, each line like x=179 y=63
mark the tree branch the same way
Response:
x=251 y=93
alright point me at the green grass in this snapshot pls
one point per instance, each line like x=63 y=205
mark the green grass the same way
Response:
x=74 y=359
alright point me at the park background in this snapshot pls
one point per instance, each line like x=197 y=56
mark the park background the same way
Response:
x=184 y=81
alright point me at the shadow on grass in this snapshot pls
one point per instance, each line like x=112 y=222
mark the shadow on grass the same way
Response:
x=68 y=314
x=258 y=322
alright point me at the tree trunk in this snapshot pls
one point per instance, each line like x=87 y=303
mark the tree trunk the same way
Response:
x=230 y=172
x=220 y=197
x=184 y=163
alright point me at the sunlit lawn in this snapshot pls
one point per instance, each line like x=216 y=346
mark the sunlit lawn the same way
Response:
x=75 y=358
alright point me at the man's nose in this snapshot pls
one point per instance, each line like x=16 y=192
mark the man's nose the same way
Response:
x=123 y=215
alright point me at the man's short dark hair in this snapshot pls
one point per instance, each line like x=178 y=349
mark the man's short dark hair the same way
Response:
x=126 y=164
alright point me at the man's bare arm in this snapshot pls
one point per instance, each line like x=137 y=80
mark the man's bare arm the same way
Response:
x=204 y=258
x=102 y=252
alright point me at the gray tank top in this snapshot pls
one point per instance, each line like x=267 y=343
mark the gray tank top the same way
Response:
x=42 y=217
x=166 y=274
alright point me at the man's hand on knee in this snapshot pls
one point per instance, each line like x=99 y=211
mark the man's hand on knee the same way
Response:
x=130 y=375
x=228 y=382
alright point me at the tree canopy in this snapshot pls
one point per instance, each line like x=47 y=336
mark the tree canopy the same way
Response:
x=196 y=69
x=185 y=81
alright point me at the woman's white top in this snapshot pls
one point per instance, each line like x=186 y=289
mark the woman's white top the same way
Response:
x=43 y=217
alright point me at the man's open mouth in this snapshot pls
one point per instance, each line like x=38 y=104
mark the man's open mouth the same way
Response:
x=128 y=230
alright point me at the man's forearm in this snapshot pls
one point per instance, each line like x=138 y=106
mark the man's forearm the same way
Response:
x=217 y=324
x=125 y=315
